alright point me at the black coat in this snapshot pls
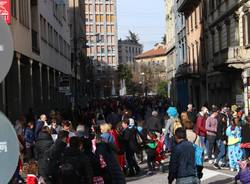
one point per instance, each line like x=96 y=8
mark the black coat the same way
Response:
x=114 y=172
x=245 y=133
x=129 y=140
x=81 y=164
x=153 y=124
x=44 y=142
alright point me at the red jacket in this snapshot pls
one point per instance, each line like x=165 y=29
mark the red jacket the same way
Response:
x=201 y=126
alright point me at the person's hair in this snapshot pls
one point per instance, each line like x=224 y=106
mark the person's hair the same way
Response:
x=180 y=133
x=66 y=123
x=125 y=121
x=63 y=134
x=187 y=123
x=45 y=129
x=30 y=123
x=74 y=142
x=32 y=167
x=53 y=121
x=105 y=127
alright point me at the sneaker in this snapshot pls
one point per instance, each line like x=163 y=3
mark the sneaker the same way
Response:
x=224 y=166
x=232 y=170
x=216 y=166
x=205 y=157
x=149 y=173
x=211 y=161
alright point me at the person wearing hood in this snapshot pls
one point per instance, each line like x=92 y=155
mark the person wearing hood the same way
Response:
x=170 y=126
x=43 y=143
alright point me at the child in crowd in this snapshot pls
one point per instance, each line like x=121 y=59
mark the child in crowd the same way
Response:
x=151 y=151
x=29 y=138
x=32 y=171
x=234 y=138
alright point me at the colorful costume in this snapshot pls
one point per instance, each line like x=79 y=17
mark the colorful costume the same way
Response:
x=234 y=150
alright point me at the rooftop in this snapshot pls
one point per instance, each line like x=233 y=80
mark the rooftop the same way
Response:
x=159 y=50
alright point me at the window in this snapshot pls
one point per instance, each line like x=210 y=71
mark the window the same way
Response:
x=228 y=34
x=212 y=39
x=219 y=37
x=246 y=29
x=187 y=25
x=13 y=8
x=50 y=35
x=197 y=55
x=189 y=54
x=43 y=26
x=195 y=18
x=24 y=12
x=55 y=40
x=191 y=19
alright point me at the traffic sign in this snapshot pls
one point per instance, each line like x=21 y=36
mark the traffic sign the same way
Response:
x=6 y=49
x=9 y=149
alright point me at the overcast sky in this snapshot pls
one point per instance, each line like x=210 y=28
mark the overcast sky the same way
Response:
x=145 y=17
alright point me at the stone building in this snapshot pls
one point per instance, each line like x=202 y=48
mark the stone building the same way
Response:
x=228 y=55
x=127 y=50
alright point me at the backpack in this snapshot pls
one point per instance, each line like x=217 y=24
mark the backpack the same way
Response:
x=177 y=124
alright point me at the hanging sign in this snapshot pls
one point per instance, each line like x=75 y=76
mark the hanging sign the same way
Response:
x=5 y=10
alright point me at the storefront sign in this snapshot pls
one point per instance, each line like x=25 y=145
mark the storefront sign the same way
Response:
x=9 y=149
x=6 y=49
x=5 y=10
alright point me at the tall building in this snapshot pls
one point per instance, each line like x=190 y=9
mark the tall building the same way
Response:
x=102 y=42
x=101 y=32
x=193 y=70
x=170 y=47
x=181 y=58
x=127 y=50
x=42 y=55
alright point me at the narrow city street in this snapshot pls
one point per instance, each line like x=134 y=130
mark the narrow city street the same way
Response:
x=211 y=176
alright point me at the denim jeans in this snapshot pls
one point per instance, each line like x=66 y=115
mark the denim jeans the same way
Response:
x=188 y=180
x=211 y=140
x=222 y=150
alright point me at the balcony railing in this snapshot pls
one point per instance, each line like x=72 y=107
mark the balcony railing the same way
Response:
x=187 y=69
x=233 y=56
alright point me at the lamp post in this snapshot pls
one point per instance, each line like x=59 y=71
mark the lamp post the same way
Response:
x=143 y=83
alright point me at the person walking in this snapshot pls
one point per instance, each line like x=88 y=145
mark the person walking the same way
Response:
x=211 y=128
x=234 y=138
x=200 y=128
x=182 y=161
x=153 y=123
x=245 y=134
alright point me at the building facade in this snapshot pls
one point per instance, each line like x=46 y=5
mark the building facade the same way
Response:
x=226 y=34
x=193 y=71
x=170 y=12
x=101 y=38
x=151 y=68
x=127 y=50
x=42 y=55
x=181 y=58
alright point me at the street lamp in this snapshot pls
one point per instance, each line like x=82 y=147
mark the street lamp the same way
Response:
x=143 y=83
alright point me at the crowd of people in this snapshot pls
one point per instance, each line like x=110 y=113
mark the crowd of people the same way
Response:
x=110 y=139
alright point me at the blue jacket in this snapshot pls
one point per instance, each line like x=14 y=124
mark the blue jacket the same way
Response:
x=182 y=161
x=29 y=135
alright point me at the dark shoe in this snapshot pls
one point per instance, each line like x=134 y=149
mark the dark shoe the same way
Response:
x=137 y=170
x=216 y=166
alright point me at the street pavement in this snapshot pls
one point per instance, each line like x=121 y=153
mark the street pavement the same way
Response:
x=211 y=176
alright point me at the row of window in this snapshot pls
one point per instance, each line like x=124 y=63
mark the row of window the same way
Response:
x=23 y=11
x=100 y=39
x=53 y=38
x=194 y=19
x=100 y=49
x=109 y=59
x=133 y=50
x=99 y=7
x=100 y=28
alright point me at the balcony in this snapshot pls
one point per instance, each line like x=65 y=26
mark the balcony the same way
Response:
x=233 y=57
x=183 y=5
x=185 y=70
